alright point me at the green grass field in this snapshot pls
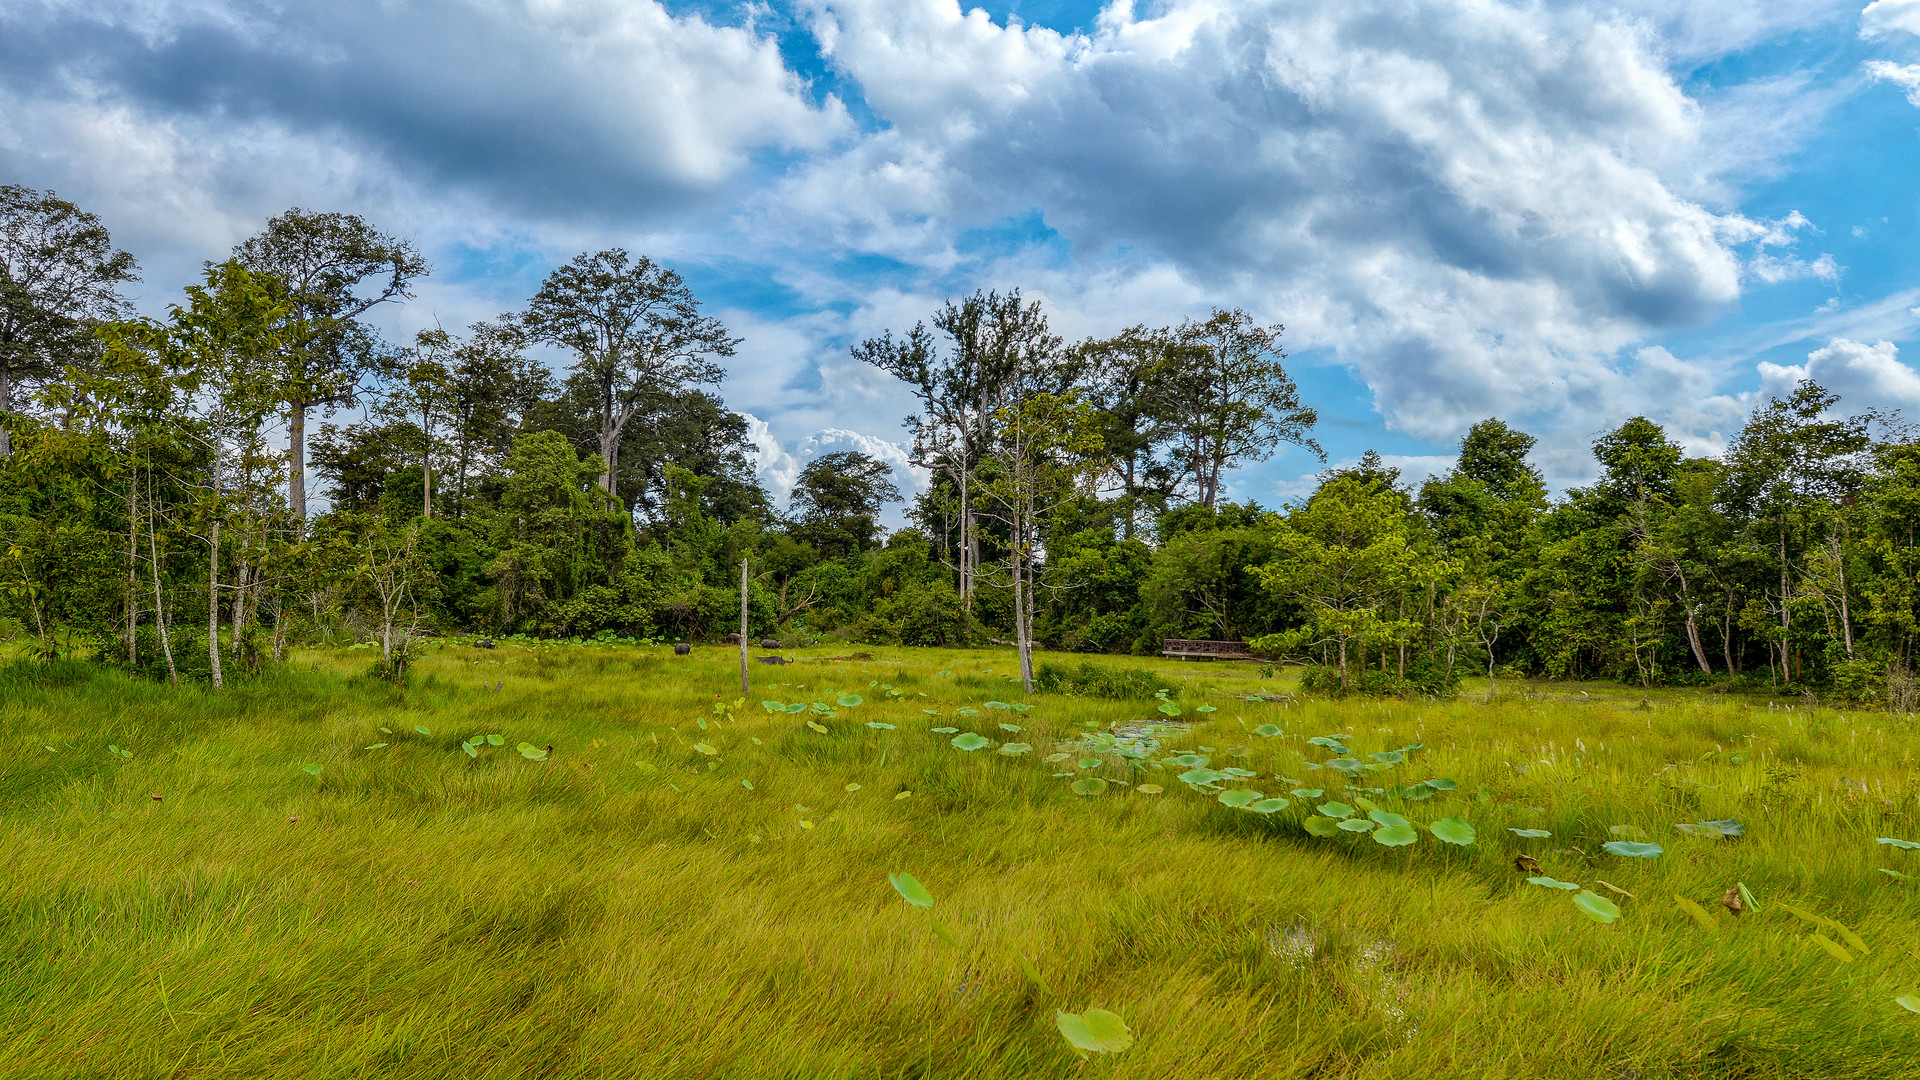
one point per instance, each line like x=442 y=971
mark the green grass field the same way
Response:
x=635 y=906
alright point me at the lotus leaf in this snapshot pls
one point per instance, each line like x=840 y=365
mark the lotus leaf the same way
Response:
x=1395 y=835
x=1089 y=785
x=1238 y=797
x=748 y=784
x=1089 y=763
x=1632 y=849
x=1057 y=757
x=374 y=746
x=1697 y=913
x=821 y=728
x=1169 y=708
x=911 y=890
x=1453 y=831
x=1334 y=745
x=967 y=710
x=1149 y=789
x=1335 y=809
x=946 y=673
x=1011 y=727
x=1267 y=730
x=704 y=748
x=1201 y=777
x=1531 y=834
x=1013 y=749
x=1895 y=874
x=1596 y=907
x=877 y=725
x=1389 y=757
x=1267 y=806
x=1094 y=1031
x=1715 y=829
x=1904 y=845
x=1391 y=821
x=1320 y=826
x=531 y=752
x=311 y=770
x=1189 y=761
x=797 y=708
x=1205 y=708
x=996 y=705
x=971 y=741
x=495 y=740
x=1365 y=804
x=848 y=701
x=1345 y=765
x=423 y=730
x=1416 y=793
x=1553 y=883
x=1356 y=825
x=774 y=706
x=1441 y=784
x=945 y=730
x=1033 y=973
x=903 y=795
x=1831 y=948
x=472 y=750
x=1909 y=1002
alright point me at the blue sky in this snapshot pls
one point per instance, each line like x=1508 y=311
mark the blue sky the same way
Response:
x=1558 y=213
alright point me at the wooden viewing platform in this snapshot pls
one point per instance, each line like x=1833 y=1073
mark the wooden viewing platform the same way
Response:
x=1193 y=649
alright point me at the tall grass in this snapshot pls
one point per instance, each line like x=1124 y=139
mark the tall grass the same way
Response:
x=628 y=908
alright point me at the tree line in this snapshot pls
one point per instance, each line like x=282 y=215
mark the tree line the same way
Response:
x=154 y=510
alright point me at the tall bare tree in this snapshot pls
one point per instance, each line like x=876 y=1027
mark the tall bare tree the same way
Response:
x=336 y=268
x=999 y=352
x=637 y=335
x=1222 y=390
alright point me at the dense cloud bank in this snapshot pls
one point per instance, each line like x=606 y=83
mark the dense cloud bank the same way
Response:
x=1479 y=208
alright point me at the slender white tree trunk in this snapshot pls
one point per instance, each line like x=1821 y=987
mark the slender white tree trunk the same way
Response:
x=159 y=605
x=297 y=467
x=743 y=627
x=133 y=577
x=213 y=603
x=6 y=405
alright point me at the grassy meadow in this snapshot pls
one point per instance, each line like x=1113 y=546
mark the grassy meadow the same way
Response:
x=316 y=874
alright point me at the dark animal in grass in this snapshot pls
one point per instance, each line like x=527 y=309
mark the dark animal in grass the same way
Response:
x=769 y=643
x=681 y=648
x=1526 y=864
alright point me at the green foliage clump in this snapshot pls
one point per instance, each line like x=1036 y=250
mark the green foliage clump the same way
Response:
x=1100 y=681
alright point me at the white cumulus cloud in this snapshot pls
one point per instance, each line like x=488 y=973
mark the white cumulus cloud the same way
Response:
x=1904 y=76
x=1865 y=376
x=1475 y=205
x=1882 y=16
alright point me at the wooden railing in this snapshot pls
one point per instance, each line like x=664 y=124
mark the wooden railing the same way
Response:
x=1195 y=649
